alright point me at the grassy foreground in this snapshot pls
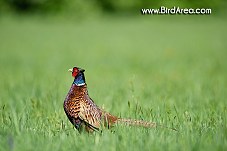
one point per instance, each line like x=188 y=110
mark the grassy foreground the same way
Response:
x=170 y=71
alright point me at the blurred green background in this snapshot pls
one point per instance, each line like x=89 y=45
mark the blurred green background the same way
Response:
x=170 y=69
x=78 y=7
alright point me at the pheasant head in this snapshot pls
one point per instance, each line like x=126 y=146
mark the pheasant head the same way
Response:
x=78 y=74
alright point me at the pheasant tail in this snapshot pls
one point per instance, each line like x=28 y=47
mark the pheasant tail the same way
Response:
x=109 y=120
x=132 y=122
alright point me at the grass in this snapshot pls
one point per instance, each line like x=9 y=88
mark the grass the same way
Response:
x=163 y=69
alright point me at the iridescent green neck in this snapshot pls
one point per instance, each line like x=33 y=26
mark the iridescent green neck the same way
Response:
x=79 y=79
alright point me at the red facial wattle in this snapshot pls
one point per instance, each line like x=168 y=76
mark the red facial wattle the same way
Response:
x=75 y=72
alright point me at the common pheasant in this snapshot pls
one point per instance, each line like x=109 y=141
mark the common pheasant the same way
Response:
x=84 y=114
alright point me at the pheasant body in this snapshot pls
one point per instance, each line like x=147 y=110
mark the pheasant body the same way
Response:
x=83 y=113
x=77 y=106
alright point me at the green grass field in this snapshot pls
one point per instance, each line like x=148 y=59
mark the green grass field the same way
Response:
x=169 y=70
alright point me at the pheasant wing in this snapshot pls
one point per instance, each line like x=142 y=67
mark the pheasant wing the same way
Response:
x=90 y=113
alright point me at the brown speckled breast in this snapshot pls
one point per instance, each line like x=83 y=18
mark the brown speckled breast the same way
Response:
x=81 y=110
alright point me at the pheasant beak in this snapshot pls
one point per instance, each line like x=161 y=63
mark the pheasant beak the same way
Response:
x=70 y=70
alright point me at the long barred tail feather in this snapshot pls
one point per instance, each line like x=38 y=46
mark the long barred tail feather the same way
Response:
x=140 y=123
x=132 y=122
x=110 y=120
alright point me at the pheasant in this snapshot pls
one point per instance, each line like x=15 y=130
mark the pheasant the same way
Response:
x=84 y=114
